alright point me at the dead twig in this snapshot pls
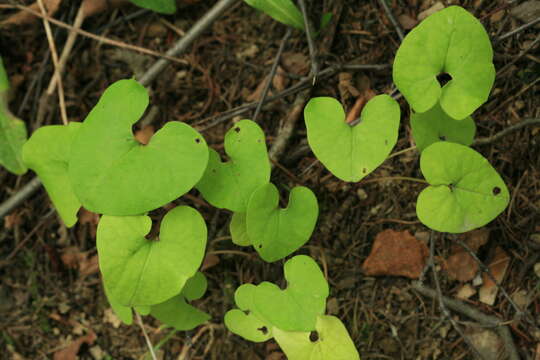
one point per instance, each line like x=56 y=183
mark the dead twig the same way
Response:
x=311 y=43
x=392 y=19
x=518 y=30
x=56 y=61
x=507 y=131
x=467 y=310
x=272 y=74
x=146 y=338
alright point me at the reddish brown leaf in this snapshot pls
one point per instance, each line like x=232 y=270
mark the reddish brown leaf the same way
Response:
x=73 y=258
x=145 y=134
x=498 y=267
x=396 y=253
x=70 y=352
x=94 y=7
x=461 y=266
x=209 y=261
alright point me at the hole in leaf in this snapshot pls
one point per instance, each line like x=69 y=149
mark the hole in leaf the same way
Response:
x=442 y=137
x=313 y=336
x=197 y=140
x=263 y=329
x=237 y=129
x=496 y=190
x=443 y=78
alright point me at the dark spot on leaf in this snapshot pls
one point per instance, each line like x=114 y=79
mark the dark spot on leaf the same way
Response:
x=443 y=78
x=451 y=187
x=237 y=129
x=246 y=312
x=263 y=329
x=260 y=246
x=385 y=142
x=214 y=171
x=313 y=336
x=496 y=190
x=364 y=171
x=259 y=140
x=442 y=137
x=197 y=140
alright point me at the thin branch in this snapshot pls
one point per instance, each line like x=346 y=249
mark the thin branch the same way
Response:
x=311 y=43
x=19 y=197
x=517 y=30
x=507 y=131
x=469 y=311
x=390 y=16
x=299 y=86
x=56 y=61
x=272 y=74
x=148 y=342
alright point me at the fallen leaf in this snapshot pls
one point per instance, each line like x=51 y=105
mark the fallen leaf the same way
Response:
x=23 y=17
x=12 y=220
x=396 y=253
x=497 y=267
x=486 y=341
x=70 y=352
x=74 y=258
x=210 y=260
x=145 y=134
x=110 y=317
x=461 y=266
x=296 y=63
x=432 y=10
x=279 y=83
x=465 y=292
x=94 y=7
x=407 y=22
x=90 y=219
x=345 y=86
x=361 y=100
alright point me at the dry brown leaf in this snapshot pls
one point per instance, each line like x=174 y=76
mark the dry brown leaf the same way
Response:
x=396 y=253
x=12 y=220
x=476 y=238
x=346 y=88
x=74 y=258
x=497 y=267
x=210 y=260
x=486 y=341
x=465 y=292
x=461 y=266
x=70 y=352
x=110 y=317
x=145 y=134
x=94 y=7
x=432 y=10
x=279 y=83
x=359 y=104
x=407 y=22
x=23 y=17
x=296 y=63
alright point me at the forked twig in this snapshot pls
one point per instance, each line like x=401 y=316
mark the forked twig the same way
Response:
x=56 y=61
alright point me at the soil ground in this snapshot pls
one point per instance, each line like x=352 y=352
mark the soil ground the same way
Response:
x=48 y=302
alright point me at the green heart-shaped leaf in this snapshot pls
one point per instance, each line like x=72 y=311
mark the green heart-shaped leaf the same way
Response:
x=283 y=11
x=47 y=153
x=296 y=308
x=274 y=232
x=111 y=173
x=351 y=153
x=124 y=313
x=450 y=41
x=465 y=191
x=229 y=185
x=334 y=342
x=176 y=312
x=238 y=229
x=435 y=125
x=161 y=6
x=245 y=322
x=12 y=131
x=138 y=271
